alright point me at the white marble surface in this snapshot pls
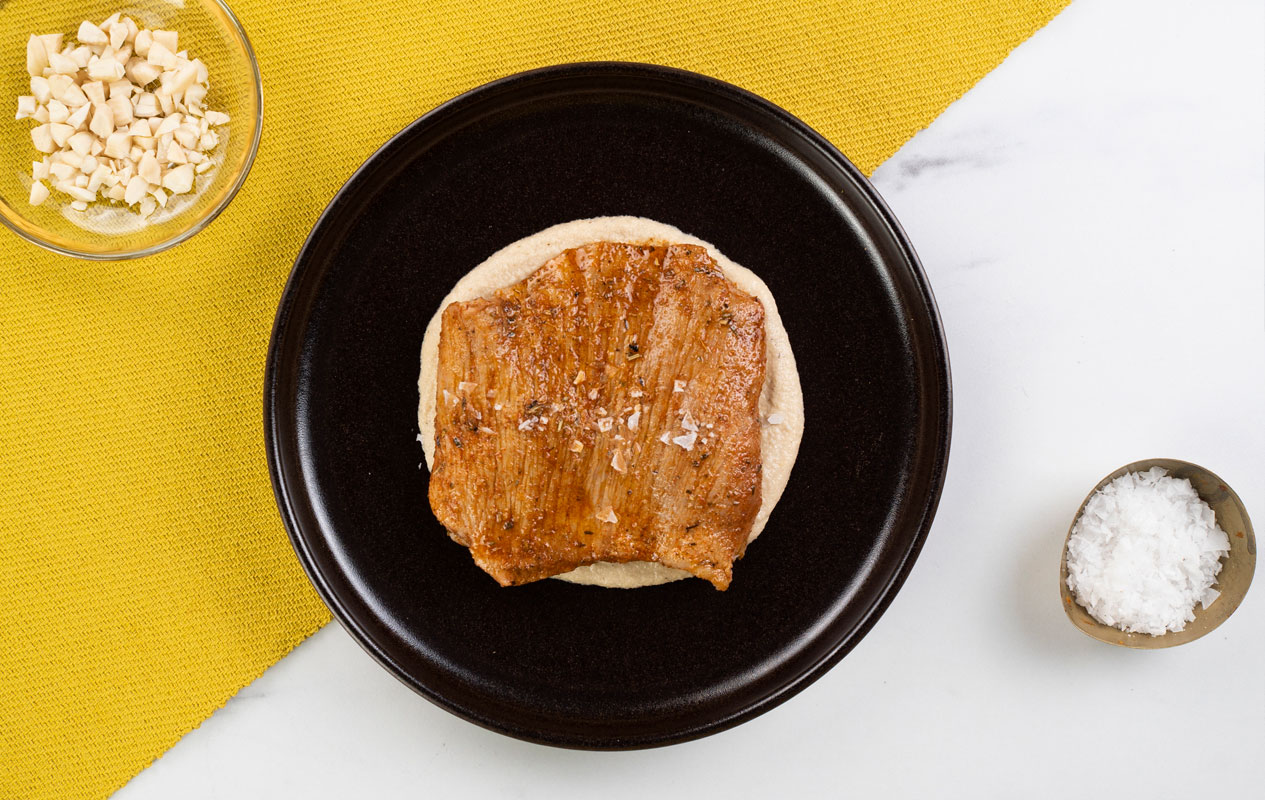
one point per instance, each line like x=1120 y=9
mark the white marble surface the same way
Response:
x=1092 y=216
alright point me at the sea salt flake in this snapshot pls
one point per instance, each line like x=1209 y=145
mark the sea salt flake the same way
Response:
x=1209 y=597
x=1144 y=551
x=686 y=441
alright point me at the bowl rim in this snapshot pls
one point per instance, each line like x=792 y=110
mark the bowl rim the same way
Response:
x=1109 y=634
x=202 y=222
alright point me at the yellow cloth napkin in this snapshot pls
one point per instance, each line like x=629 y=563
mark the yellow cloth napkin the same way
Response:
x=144 y=573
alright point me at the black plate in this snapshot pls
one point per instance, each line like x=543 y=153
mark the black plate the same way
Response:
x=581 y=666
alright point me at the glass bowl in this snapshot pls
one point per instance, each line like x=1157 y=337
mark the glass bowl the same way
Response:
x=209 y=31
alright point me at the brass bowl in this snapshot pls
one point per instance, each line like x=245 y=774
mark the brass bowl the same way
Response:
x=1236 y=570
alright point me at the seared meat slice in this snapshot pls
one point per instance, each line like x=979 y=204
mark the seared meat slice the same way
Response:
x=603 y=409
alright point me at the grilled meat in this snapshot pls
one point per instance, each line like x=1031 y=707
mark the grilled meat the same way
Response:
x=605 y=408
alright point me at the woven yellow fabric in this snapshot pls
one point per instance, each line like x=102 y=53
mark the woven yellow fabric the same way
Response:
x=144 y=573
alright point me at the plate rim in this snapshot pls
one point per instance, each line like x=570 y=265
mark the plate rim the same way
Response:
x=275 y=442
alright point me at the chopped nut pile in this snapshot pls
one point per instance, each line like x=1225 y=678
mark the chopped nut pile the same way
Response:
x=120 y=114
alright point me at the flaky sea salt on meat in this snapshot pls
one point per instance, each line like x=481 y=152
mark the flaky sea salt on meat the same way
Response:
x=1145 y=550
